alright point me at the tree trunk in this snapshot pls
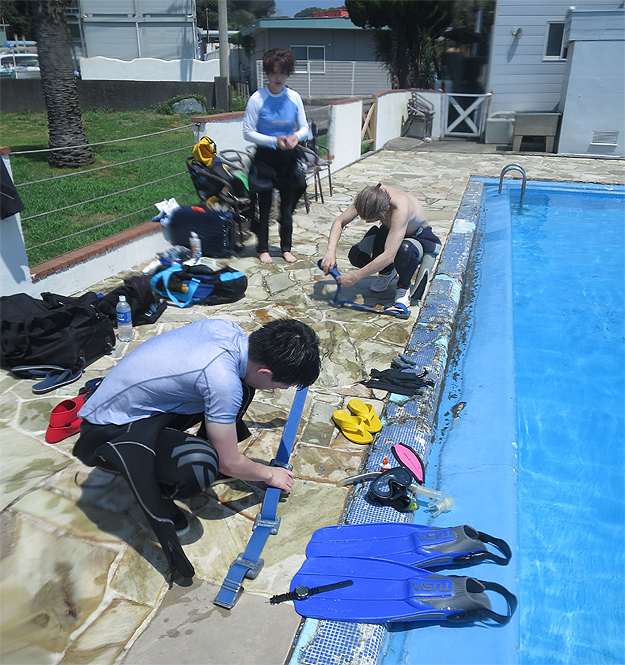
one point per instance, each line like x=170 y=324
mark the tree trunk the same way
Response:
x=65 y=126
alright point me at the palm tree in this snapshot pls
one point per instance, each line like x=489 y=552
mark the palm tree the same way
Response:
x=58 y=81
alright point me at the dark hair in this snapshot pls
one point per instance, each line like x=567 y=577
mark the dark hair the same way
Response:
x=289 y=348
x=372 y=202
x=280 y=59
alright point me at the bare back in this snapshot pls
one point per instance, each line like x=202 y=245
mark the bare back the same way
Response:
x=406 y=210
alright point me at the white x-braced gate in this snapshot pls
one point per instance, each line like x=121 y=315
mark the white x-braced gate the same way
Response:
x=465 y=114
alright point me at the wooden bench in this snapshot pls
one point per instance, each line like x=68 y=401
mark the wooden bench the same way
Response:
x=535 y=124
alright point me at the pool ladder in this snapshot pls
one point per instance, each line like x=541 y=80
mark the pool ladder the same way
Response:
x=513 y=167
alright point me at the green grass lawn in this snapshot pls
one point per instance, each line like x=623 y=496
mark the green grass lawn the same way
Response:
x=28 y=131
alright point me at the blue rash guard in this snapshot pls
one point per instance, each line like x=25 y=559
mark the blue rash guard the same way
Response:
x=268 y=116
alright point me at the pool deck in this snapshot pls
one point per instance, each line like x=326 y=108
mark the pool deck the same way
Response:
x=81 y=579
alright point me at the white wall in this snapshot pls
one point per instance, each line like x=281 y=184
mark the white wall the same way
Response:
x=592 y=103
x=344 y=133
x=148 y=69
x=82 y=275
x=391 y=114
x=227 y=134
x=519 y=77
x=14 y=270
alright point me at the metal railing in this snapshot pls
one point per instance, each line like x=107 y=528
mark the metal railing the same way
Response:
x=336 y=79
x=513 y=167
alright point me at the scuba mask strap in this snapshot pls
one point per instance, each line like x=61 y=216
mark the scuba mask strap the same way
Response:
x=482 y=613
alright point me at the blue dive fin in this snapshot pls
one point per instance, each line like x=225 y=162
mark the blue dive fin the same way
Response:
x=409 y=544
x=385 y=592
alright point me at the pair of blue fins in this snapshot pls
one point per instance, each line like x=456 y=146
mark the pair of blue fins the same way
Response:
x=379 y=573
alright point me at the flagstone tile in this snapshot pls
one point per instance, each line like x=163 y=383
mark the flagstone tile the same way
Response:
x=320 y=426
x=34 y=414
x=107 y=636
x=218 y=538
x=91 y=486
x=51 y=584
x=77 y=519
x=9 y=407
x=138 y=576
x=25 y=464
x=325 y=465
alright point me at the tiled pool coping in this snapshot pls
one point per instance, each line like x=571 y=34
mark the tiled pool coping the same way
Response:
x=322 y=642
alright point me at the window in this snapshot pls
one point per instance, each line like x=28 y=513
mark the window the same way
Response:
x=554 y=42
x=315 y=55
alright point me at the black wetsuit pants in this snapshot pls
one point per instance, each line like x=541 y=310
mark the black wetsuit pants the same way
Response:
x=413 y=251
x=159 y=462
x=276 y=169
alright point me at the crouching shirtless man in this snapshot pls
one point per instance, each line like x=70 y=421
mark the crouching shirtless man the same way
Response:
x=403 y=243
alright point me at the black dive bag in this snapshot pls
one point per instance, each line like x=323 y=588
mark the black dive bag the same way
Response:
x=57 y=330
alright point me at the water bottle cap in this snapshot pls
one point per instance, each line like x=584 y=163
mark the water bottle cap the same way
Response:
x=194 y=234
x=122 y=298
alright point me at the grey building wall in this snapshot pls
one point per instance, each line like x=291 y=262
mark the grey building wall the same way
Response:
x=519 y=76
x=129 y=29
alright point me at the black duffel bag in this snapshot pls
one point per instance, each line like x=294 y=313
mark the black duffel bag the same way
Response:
x=217 y=229
x=56 y=330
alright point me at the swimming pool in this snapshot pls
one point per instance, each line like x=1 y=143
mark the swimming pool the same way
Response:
x=568 y=327
x=565 y=345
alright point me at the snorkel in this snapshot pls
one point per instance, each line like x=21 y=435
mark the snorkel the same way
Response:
x=402 y=486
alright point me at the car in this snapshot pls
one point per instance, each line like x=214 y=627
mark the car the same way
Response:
x=19 y=65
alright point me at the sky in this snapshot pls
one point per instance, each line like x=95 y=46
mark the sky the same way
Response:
x=290 y=7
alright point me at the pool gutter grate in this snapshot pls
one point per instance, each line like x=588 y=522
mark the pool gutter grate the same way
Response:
x=412 y=423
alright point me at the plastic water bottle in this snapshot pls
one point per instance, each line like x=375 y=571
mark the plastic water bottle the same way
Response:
x=196 y=246
x=124 y=320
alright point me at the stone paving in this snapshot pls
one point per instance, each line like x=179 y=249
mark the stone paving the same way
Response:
x=82 y=580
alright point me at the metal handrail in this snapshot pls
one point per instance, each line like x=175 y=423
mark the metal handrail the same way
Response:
x=513 y=167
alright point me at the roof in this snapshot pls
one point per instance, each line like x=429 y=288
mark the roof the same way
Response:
x=300 y=23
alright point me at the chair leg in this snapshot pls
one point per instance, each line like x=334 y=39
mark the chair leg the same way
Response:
x=318 y=177
x=330 y=181
x=306 y=202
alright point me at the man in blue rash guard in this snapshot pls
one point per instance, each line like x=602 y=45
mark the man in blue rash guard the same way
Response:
x=205 y=372
x=276 y=122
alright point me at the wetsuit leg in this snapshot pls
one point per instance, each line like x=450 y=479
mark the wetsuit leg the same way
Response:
x=132 y=454
x=262 y=227
x=407 y=259
x=368 y=248
x=286 y=217
x=423 y=276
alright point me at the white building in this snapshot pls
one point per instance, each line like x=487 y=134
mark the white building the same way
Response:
x=549 y=57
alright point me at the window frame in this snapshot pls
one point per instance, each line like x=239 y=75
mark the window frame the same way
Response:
x=309 y=59
x=563 y=49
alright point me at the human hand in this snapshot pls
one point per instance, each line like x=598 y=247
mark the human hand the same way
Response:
x=282 y=478
x=292 y=141
x=281 y=142
x=347 y=280
x=327 y=263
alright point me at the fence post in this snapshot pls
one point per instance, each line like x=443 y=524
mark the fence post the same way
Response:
x=308 y=68
x=353 y=76
x=14 y=269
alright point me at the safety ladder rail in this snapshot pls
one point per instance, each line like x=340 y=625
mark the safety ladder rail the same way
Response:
x=513 y=167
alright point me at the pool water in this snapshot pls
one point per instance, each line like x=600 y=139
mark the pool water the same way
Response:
x=538 y=369
x=568 y=295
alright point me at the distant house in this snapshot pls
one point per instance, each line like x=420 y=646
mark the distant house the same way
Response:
x=542 y=49
x=335 y=58
x=130 y=29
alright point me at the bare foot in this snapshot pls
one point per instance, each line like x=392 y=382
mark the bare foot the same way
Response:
x=264 y=257
x=288 y=257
